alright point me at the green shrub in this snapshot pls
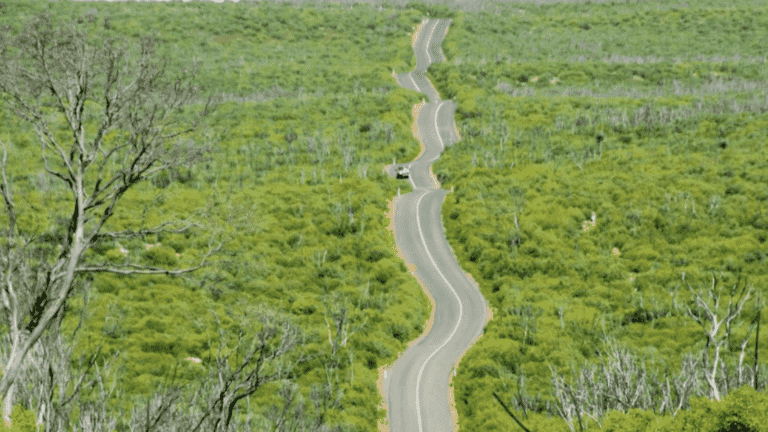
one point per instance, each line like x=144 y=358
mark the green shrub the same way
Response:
x=161 y=256
x=22 y=420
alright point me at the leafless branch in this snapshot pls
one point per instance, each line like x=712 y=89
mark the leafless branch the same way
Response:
x=709 y=315
x=129 y=234
x=5 y=188
x=510 y=413
x=133 y=269
x=55 y=76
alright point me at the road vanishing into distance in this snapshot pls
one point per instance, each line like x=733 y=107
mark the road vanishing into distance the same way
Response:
x=417 y=387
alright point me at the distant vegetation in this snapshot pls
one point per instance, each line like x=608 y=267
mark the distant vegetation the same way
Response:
x=309 y=117
x=652 y=117
x=606 y=176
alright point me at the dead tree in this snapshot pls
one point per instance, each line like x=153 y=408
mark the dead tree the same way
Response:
x=52 y=388
x=239 y=369
x=264 y=350
x=622 y=381
x=120 y=108
x=337 y=309
x=678 y=390
x=717 y=323
x=757 y=352
x=293 y=415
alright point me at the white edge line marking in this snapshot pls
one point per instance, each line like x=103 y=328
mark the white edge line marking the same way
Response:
x=461 y=312
x=414 y=81
x=426 y=47
x=437 y=129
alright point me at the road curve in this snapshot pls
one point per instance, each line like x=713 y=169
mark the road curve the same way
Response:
x=417 y=389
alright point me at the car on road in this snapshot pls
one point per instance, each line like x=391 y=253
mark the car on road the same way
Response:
x=402 y=172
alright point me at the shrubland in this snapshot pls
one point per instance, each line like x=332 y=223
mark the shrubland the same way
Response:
x=307 y=117
x=624 y=177
x=610 y=201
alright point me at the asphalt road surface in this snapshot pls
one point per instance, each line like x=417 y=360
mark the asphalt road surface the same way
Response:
x=417 y=384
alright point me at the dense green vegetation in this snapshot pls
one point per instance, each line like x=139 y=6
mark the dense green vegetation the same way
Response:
x=561 y=115
x=616 y=170
x=295 y=187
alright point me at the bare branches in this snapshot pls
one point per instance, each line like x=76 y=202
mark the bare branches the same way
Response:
x=255 y=359
x=163 y=228
x=134 y=269
x=510 y=413
x=338 y=311
x=134 y=91
x=623 y=381
x=121 y=109
x=52 y=388
x=708 y=313
x=5 y=188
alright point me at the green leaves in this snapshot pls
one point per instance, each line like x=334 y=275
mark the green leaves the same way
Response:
x=743 y=409
x=161 y=256
x=594 y=127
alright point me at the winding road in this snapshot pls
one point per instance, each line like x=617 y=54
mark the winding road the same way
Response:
x=417 y=389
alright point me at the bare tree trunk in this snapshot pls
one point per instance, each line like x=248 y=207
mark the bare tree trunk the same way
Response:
x=52 y=388
x=741 y=379
x=257 y=361
x=707 y=313
x=102 y=86
x=757 y=357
